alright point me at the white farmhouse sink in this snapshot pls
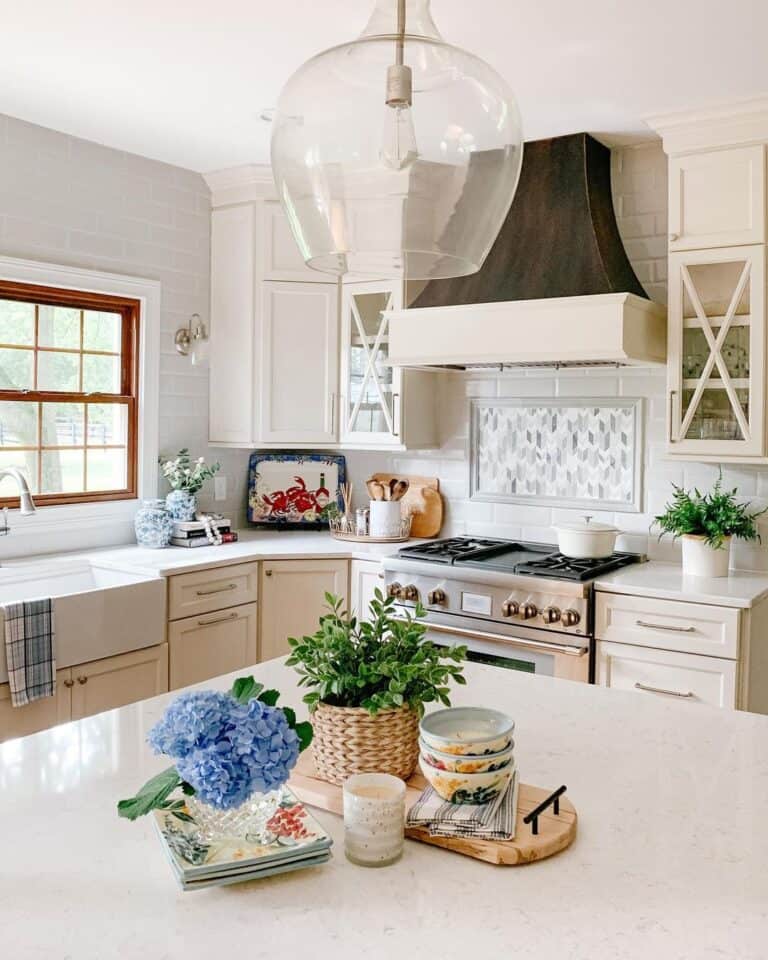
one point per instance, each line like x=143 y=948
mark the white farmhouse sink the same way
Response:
x=99 y=611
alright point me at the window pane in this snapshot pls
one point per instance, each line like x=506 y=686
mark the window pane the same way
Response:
x=17 y=322
x=16 y=369
x=106 y=470
x=102 y=331
x=107 y=424
x=62 y=471
x=58 y=327
x=58 y=371
x=101 y=374
x=26 y=461
x=63 y=424
x=18 y=424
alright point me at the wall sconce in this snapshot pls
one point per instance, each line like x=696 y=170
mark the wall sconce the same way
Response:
x=193 y=339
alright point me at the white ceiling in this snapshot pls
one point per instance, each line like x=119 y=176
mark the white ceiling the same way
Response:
x=185 y=81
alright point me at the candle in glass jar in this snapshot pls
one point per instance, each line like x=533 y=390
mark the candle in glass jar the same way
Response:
x=374 y=819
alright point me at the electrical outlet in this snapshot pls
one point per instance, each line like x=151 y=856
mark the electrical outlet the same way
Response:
x=219 y=488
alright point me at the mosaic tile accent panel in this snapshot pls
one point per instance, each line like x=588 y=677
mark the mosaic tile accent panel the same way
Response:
x=579 y=453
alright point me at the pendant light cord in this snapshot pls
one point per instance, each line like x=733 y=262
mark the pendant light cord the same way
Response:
x=400 y=42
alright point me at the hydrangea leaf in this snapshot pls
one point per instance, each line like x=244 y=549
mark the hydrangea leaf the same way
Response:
x=152 y=795
x=245 y=689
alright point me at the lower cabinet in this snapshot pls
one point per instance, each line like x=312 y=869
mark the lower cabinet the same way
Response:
x=365 y=578
x=684 y=677
x=213 y=644
x=89 y=688
x=292 y=596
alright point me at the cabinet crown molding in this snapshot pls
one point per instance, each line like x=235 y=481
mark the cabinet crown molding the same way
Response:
x=727 y=124
x=249 y=181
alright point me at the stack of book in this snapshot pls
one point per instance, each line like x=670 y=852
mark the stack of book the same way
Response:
x=293 y=840
x=192 y=533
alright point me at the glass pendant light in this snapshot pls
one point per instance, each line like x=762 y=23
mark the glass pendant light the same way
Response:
x=396 y=155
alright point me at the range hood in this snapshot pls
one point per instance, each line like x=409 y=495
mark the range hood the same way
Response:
x=557 y=288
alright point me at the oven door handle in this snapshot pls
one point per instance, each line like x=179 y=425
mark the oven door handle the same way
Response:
x=543 y=646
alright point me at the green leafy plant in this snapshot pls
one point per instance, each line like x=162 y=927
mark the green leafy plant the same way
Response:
x=714 y=516
x=378 y=664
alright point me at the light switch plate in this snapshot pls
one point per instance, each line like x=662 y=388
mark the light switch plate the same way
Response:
x=219 y=488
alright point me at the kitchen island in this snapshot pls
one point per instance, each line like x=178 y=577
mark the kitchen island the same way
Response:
x=670 y=860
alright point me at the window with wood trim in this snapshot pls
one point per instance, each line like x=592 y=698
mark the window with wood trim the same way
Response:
x=68 y=393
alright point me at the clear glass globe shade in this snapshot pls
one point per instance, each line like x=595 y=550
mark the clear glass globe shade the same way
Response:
x=416 y=191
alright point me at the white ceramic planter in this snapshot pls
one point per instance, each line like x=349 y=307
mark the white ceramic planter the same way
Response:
x=701 y=560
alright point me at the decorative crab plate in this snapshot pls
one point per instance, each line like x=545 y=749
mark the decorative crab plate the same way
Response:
x=293 y=489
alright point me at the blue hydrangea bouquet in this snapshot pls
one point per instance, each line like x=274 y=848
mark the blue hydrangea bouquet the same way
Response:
x=228 y=748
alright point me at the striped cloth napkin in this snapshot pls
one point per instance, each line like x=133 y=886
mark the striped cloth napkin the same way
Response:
x=489 y=821
x=29 y=650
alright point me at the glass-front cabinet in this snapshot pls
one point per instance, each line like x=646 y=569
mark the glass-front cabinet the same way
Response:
x=717 y=352
x=371 y=396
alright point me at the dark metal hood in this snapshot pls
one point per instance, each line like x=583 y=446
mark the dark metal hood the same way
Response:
x=560 y=237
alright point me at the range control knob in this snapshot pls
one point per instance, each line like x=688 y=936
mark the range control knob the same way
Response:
x=569 y=618
x=510 y=608
x=394 y=590
x=436 y=597
x=550 y=614
x=528 y=611
x=410 y=592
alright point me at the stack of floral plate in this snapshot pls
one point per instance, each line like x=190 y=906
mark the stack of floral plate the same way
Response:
x=467 y=754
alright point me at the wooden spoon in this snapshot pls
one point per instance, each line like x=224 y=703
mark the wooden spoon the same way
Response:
x=400 y=489
x=375 y=489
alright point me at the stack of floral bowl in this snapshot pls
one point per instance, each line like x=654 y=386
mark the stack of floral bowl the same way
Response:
x=466 y=753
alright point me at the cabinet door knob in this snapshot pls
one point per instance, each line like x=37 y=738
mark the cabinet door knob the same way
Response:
x=674 y=236
x=82 y=680
x=267 y=573
x=69 y=683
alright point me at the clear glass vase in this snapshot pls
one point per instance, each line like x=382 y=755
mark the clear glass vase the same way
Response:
x=246 y=822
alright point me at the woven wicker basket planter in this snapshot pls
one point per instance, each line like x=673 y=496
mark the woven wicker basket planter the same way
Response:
x=350 y=740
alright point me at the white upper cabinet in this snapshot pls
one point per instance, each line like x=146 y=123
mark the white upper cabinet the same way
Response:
x=299 y=351
x=280 y=256
x=381 y=406
x=232 y=325
x=717 y=199
x=716 y=354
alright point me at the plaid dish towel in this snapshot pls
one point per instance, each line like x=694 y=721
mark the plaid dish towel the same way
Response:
x=490 y=821
x=29 y=650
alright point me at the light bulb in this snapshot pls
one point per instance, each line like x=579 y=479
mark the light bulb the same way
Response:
x=398 y=142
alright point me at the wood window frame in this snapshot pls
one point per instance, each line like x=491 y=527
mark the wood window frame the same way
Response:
x=129 y=309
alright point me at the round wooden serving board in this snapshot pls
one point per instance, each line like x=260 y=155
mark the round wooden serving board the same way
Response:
x=555 y=832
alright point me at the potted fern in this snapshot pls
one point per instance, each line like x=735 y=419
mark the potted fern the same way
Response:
x=368 y=682
x=706 y=523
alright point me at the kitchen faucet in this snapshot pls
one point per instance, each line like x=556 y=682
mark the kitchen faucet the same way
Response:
x=25 y=497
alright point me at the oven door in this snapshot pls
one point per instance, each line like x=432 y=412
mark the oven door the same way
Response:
x=513 y=648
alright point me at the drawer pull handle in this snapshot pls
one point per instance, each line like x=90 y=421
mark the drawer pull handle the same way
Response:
x=667 y=693
x=205 y=623
x=82 y=680
x=664 y=626
x=208 y=593
x=69 y=683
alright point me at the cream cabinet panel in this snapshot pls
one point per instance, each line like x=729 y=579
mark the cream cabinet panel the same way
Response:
x=38 y=715
x=717 y=199
x=685 y=627
x=117 y=681
x=681 y=677
x=281 y=258
x=299 y=351
x=208 y=646
x=293 y=600
x=716 y=353
x=205 y=590
x=365 y=578
x=231 y=410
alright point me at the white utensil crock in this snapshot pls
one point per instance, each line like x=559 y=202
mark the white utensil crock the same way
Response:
x=384 y=519
x=701 y=560
x=585 y=540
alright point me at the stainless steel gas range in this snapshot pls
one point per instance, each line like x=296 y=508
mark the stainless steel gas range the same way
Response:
x=521 y=606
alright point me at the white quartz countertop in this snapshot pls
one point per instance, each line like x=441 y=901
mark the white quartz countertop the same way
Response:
x=669 y=863
x=252 y=545
x=665 y=580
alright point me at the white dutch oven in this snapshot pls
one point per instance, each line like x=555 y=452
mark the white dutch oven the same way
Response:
x=584 y=539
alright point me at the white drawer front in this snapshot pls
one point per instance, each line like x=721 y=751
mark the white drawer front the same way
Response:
x=681 y=677
x=668 y=624
x=216 y=589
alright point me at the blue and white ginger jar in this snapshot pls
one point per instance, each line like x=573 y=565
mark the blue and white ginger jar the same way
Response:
x=181 y=504
x=153 y=524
